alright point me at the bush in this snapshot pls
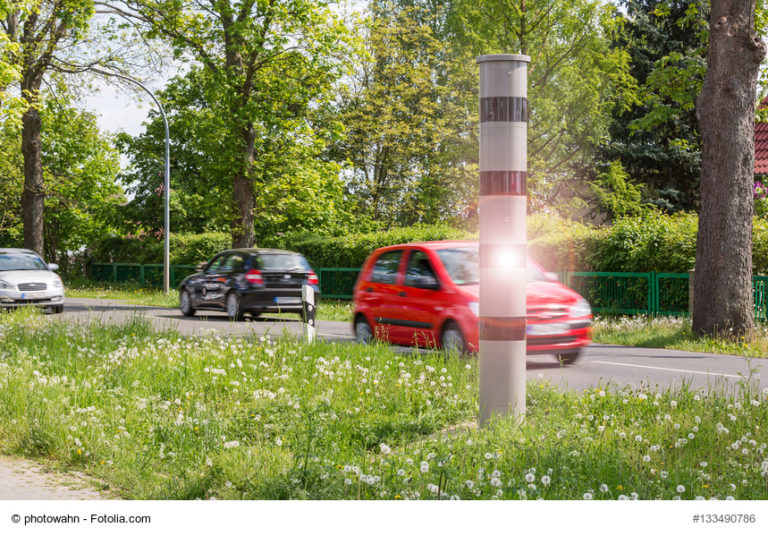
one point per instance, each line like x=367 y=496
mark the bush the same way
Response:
x=352 y=250
x=654 y=242
x=560 y=244
x=184 y=248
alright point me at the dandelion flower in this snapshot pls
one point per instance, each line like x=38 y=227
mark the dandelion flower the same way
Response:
x=530 y=477
x=424 y=467
x=681 y=489
x=587 y=496
x=545 y=480
x=604 y=488
x=385 y=449
x=646 y=458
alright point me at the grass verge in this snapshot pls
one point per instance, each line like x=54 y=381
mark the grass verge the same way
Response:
x=160 y=416
x=675 y=333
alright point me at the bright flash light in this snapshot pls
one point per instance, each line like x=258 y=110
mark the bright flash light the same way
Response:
x=506 y=257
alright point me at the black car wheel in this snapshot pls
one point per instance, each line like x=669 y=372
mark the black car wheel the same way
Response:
x=452 y=339
x=566 y=358
x=185 y=303
x=233 y=306
x=363 y=331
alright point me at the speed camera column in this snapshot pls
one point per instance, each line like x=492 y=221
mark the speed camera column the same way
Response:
x=503 y=250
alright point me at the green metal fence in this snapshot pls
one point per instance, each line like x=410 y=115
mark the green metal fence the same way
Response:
x=145 y=275
x=647 y=293
x=614 y=292
x=760 y=292
x=337 y=283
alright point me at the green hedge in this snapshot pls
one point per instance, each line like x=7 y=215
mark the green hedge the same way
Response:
x=184 y=248
x=654 y=242
x=351 y=250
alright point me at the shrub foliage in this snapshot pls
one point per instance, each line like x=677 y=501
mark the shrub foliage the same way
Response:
x=651 y=242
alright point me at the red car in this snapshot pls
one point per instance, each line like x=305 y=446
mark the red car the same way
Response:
x=427 y=294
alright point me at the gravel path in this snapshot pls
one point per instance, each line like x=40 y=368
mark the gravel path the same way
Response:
x=25 y=480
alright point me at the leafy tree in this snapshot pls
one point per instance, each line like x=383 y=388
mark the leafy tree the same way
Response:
x=33 y=34
x=726 y=113
x=657 y=138
x=615 y=194
x=575 y=80
x=298 y=190
x=79 y=167
x=262 y=65
x=409 y=139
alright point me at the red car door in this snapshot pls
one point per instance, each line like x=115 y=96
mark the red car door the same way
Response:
x=422 y=305
x=380 y=298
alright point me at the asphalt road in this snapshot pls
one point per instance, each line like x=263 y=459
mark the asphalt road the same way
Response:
x=600 y=365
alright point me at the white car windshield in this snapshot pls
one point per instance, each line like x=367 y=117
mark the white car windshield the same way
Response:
x=21 y=261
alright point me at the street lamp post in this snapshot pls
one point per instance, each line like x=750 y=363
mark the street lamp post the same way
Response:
x=166 y=182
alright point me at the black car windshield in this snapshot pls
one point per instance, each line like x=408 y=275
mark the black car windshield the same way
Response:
x=283 y=261
x=462 y=265
x=21 y=261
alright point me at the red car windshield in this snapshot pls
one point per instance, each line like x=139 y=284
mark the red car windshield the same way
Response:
x=462 y=265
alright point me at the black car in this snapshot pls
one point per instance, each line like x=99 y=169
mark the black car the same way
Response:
x=252 y=281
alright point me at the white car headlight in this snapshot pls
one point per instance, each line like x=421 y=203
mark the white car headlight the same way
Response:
x=57 y=283
x=581 y=308
x=475 y=308
x=5 y=284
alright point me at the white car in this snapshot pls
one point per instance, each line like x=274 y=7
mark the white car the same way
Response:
x=25 y=279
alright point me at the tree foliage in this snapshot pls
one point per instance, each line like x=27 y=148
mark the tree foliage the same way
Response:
x=657 y=138
x=34 y=33
x=575 y=80
x=79 y=166
x=297 y=189
x=259 y=67
x=409 y=139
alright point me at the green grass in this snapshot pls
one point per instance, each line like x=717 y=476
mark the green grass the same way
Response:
x=675 y=333
x=337 y=310
x=160 y=416
x=134 y=295
x=648 y=332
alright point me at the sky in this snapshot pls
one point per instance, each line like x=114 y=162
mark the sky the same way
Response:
x=119 y=112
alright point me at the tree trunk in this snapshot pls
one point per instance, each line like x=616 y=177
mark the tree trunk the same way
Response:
x=33 y=196
x=726 y=113
x=242 y=227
